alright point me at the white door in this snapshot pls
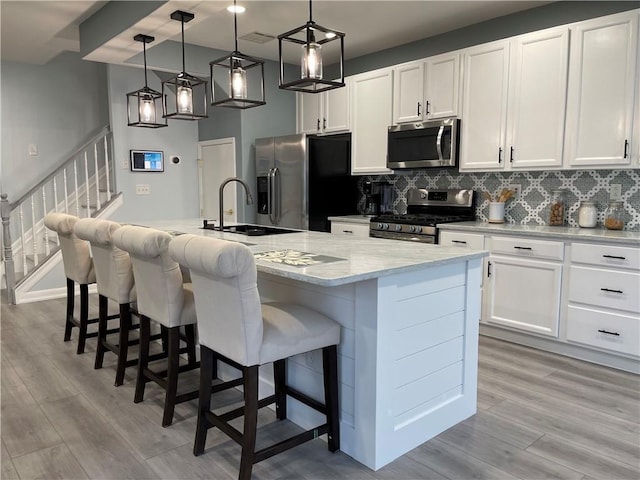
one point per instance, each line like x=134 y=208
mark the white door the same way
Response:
x=408 y=87
x=308 y=106
x=603 y=56
x=216 y=162
x=335 y=109
x=484 y=109
x=535 y=133
x=441 y=90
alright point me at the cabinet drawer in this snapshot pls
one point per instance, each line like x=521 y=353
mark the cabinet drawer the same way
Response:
x=605 y=288
x=350 y=229
x=525 y=247
x=611 y=331
x=464 y=240
x=606 y=256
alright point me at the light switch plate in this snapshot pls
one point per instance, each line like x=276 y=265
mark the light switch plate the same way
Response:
x=615 y=191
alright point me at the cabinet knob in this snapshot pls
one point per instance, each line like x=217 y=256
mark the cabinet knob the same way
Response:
x=324 y=123
x=318 y=127
x=427 y=112
x=499 y=154
x=419 y=108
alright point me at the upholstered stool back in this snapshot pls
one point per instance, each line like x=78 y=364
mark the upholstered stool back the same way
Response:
x=224 y=280
x=114 y=273
x=76 y=255
x=159 y=283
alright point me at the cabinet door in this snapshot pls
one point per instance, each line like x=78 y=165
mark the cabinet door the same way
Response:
x=335 y=109
x=524 y=294
x=371 y=100
x=601 y=88
x=538 y=85
x=308 y=112
x=357 y=230
x=441 y=87
x=408 y=90
x=484 y=110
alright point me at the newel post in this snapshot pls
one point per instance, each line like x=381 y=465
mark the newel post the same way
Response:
x=9 y=269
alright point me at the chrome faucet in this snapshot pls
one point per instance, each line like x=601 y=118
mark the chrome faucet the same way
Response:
x=221 y=191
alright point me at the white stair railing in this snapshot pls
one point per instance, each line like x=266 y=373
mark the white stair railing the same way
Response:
x=33 y=243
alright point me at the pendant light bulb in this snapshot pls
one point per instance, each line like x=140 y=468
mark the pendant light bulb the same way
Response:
x=185 y=98
x=311 y=65
x=147 y=110
x=238 y=81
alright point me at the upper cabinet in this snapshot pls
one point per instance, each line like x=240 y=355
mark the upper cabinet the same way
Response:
x=371 y=115
x=326 y=112
x=600 y=103
x=425 y=90
x=514 y=102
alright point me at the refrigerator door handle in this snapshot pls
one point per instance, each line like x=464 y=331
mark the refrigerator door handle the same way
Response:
x=276 y=196
x=270 y=195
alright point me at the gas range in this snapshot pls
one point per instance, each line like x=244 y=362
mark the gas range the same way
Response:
x=425 y=209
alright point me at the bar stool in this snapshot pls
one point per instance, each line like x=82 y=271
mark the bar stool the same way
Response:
x=114 y=278
x=163 y=298
x=78 y=268
x=235 y=327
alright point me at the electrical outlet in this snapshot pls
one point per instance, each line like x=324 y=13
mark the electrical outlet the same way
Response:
x=33 y=150
x=143 y=189
x=517 y=189
x=615 y=191
x=125 y=164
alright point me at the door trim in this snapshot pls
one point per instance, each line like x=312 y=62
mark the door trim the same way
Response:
x=209 y=143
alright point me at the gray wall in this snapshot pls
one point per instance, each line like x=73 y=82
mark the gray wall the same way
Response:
x=56 y=106
x=174 y=192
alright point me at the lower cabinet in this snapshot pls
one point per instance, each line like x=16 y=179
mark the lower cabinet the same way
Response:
x=350 y=229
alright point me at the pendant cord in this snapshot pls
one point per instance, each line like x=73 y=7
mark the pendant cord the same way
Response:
x=235 y=24
x=310 y=12
x=144 y=55
x=183 y=66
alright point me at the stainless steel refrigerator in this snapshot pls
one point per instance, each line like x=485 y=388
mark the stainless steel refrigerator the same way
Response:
x=304 y=179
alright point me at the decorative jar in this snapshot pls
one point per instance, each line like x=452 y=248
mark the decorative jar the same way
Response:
x=614 y=216
x=587 y=215
x=556 y=213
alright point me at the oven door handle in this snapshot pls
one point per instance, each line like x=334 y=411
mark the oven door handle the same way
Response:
x=439 y=142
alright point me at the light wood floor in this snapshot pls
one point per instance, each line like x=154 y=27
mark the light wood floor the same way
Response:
x=539 y=416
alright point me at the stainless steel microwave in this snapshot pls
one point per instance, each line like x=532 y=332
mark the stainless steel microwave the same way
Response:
x=424 y=144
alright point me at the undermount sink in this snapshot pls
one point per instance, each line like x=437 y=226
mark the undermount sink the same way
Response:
x=250 y=230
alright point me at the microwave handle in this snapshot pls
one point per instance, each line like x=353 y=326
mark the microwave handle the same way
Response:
x=439 y=142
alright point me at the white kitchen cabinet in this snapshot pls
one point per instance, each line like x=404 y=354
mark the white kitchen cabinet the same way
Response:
x=326 y=112
x=426 y=89
x=371 y=109
x=604 y=298
x=350 y=229
x=602 y=80
x=524 y=283
x=484 y=106
x=514 y=103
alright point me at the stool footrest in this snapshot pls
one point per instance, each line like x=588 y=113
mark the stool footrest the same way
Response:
x=291 y=442
x=307 y=400
x=238 y=412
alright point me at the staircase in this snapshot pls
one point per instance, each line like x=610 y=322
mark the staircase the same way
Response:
x=83 y=185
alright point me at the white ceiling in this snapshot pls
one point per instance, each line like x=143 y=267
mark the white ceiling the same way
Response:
x=36 y=31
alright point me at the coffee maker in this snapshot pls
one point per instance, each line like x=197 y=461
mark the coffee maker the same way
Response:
x=378 y=197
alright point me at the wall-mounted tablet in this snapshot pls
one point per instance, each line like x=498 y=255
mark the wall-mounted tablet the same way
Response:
x=147 y=160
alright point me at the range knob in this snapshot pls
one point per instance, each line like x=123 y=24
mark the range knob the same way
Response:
x=417 y=229
x=385 y=226
x=398 y=228
x=379 y=226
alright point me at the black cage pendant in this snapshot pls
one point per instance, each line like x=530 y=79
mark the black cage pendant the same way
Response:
x=184 y=96
x=144 y=105
x=237 y=80
x=311 y=78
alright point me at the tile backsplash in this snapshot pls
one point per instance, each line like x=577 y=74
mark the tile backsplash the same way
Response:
x=533 y=204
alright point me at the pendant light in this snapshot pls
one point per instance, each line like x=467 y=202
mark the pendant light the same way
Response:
x=143 y=105
x=189 y=93
x=311 y=73
x=234 y=71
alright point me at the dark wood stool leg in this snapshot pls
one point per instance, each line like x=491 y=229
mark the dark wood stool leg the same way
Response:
x=190 y=333
x=163 y=335
x=250 y=375
x=123 y=345
x=204 y=399
x=280 y=383
x=103 y=307
x=84 y=317
x=173 y=365
x=330 y=373
x=71 y=296
x=143 y=358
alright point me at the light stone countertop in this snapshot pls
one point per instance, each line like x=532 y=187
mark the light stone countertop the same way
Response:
x=361 y=258
x=364 y=219
x=621 y=237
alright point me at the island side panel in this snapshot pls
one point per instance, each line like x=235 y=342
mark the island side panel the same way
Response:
x=419 y=355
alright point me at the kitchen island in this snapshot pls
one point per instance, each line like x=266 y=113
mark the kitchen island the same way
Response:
x=409 y=341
